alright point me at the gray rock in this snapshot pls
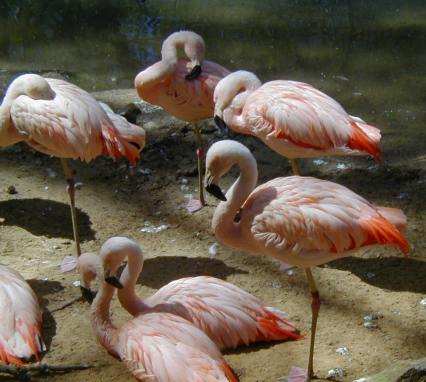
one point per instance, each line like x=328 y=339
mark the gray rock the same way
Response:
x=402 y=371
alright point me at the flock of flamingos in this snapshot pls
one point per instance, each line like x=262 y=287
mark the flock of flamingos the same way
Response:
x=178 y=333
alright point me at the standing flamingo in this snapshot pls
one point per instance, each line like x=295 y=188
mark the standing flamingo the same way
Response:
x=155 y=346
x=183 y=86
x=302 y=221
x=60 y=119
x=292 y=118
x=229 y=315
x=20 y=319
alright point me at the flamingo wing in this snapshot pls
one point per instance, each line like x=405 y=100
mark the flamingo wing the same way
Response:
x=165 y=348
x=307 y=118
x=301 y=214
x=20 y=320
x=229 y=315
x=72 y=125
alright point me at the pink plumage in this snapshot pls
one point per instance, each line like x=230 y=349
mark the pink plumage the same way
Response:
x=60 y=119
x=229 y=315
x=155 y=346
x=20 y=319
x=165 y=83
x=293 y=118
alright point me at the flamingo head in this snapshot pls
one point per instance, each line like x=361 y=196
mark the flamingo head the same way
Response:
x=89 y=266
x=113 y=252
x=33 y=86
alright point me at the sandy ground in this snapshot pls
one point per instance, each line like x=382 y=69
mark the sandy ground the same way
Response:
x=36 y=234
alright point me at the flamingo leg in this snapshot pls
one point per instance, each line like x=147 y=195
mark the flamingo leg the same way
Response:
x=294 y=167
x=315 y=306
x=200 y=157
x=71 y=192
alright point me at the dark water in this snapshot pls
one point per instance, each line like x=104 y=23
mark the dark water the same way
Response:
x=369 y=55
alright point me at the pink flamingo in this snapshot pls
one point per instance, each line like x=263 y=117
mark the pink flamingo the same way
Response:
x=155 y=346
x=302 y=221
x=229 y=315
x=292 y=118
x=183 y=86
x=60 y=119
x=20 y=319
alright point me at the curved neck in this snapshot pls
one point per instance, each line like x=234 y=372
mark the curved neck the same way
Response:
x=232 y=114
x=127 y=296
x=156 y=73
x=104 y=330
x=8 y=134
x=226 y=230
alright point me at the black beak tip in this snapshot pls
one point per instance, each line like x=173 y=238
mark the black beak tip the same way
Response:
x=220 y=123
x=215 y=190
x=194 y=73
x=114 y=281
x=87 y=294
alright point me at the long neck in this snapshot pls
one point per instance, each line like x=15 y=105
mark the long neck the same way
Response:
x=105 y=331
x=227 y=231
x=8 y=134
x=127 y=296
x=232 y=114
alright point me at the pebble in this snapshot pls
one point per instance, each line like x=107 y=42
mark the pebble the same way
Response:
x=342 y=350
x=423 y=302
x=148 y=227
x=213 y=250
x=76 y=283
x=11 y=190
x=336 y=372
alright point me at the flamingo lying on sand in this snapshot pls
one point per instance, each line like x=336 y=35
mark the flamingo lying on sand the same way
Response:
x=292 y=118
x=302 y=221
x=183 y=86
x=155 y=346
x=229 y=315
x=20 y=319
x=60 y=119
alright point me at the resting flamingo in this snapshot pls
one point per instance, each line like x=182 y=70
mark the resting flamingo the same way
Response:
x=302 y=221
x=60 y=119
x=155 y=346
x=292 y=118
x=20 y=320
x=229 y=315
x=183 y=86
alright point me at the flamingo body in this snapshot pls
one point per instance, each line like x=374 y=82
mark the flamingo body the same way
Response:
x=165 y=83
x=190 y=101
x=60 y=119
x=155 y=346
x=302 y=221
x=20 y=319
x=293 y=118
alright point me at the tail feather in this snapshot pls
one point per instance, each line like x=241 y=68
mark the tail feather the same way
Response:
x=366 y=138
x=395 y=216
x=274 y=328
x=381 y=231
x=115 y=146
x=229 y=373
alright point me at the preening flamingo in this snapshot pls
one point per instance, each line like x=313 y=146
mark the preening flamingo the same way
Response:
x=302 y=221
x=229 y=315
x=60 y=119
x=155 y=346
x=292 y=118
x=20 y=319
x=183 y=86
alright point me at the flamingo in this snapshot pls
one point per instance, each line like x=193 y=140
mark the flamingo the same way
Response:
x=302 y=221
x=183 y=87
x=20 y=320
x=229 y=315
x=293 y=118
x=58 y=118
x=155 y=346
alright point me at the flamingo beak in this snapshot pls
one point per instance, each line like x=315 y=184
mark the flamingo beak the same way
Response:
x=213 y=188
x=87 y=294
x=114 y=281
x=220 y=123
x=194 y=73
